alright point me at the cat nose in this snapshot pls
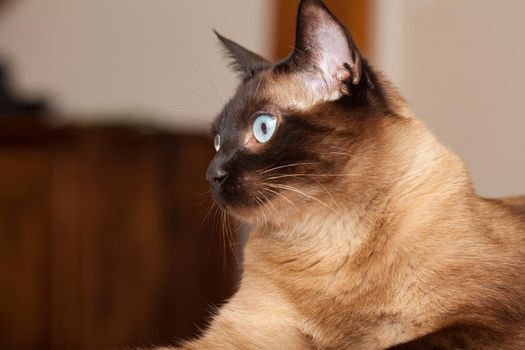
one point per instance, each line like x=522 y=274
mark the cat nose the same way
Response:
x=216 y=177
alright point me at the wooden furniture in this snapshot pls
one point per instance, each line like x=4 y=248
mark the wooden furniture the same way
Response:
x=103 y=242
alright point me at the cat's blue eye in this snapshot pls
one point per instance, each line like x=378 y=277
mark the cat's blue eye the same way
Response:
x=217 y=142
x=264 y=127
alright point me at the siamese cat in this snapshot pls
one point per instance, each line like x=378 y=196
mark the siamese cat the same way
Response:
x=367 y=233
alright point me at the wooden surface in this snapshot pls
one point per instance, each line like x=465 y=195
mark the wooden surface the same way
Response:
x=102 y=238
x=355 y=14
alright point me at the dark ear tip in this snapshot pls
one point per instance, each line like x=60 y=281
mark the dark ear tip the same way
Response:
x=305 y=2
x=318 y=3
x=224 y=40
x=220 y=37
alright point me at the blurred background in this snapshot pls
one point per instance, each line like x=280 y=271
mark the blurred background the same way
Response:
x=106 y=237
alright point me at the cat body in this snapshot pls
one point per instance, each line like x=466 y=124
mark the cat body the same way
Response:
x=367 y=233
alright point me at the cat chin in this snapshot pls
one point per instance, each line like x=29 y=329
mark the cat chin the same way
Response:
x=242 y=213
x=252 y=215
x=248 y=209
x=225 y=203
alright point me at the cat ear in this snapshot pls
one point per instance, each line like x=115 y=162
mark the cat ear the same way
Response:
x=325 y=50
x=244 y=61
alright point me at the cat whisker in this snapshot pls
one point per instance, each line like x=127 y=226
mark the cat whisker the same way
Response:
x=265 y=201
x=293 y=189
x=203 y=198
x=192 y=93
x=261 y=204
x=287 y=166
x=342 y=154
x=194 y=108
x=224 y=233
x=327 y=192
x=270 y=205
x=311 y=175
x=211 y=205
x=213 y=85
x=315 y=182
x=276 y=212
x=230 y=234
x=281 y=195
x=216 y=227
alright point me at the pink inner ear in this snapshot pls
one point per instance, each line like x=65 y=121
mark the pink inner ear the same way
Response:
x=332 y=53
x=342 y=74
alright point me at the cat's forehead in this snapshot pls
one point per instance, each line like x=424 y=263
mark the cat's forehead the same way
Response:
x=248 y=100
x=292 y=91
x=268 y=91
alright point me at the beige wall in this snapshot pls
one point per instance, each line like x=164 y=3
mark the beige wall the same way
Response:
x=461 y=64
x=154 y=56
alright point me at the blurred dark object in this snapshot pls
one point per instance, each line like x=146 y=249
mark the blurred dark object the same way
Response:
x=102 y=239
x=3 y=4
x=12 y=105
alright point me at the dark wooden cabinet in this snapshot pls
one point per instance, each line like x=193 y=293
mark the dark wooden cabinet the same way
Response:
x=103 y=242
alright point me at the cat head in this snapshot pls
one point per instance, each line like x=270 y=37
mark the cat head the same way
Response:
x=297 y=132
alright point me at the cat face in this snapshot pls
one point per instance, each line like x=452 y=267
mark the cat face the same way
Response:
x=288 y=137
